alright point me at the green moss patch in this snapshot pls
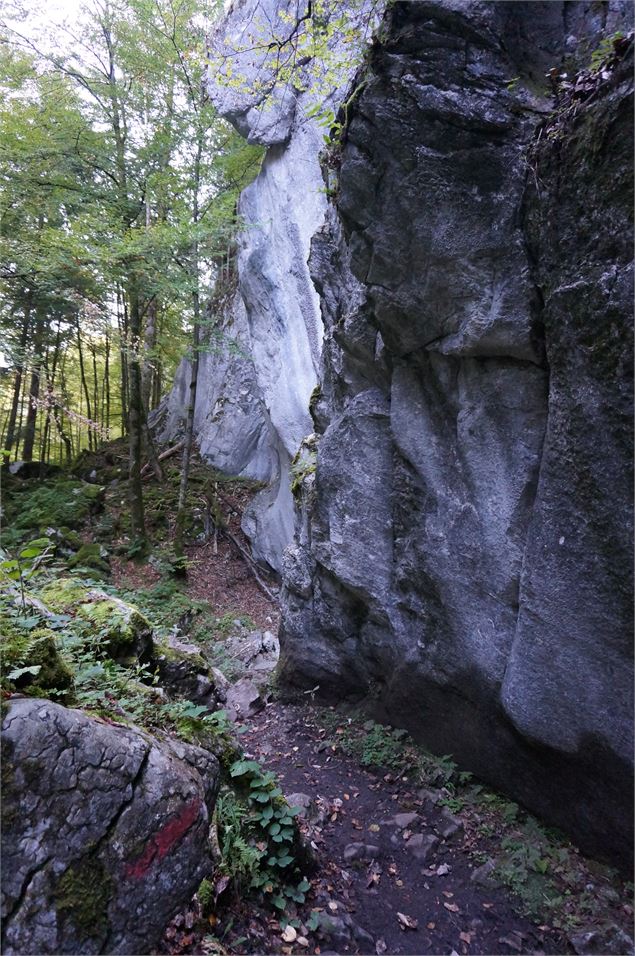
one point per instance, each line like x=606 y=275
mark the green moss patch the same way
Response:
x=82 y=896
x=33 y=664
x=123 y=629
x=33 y=507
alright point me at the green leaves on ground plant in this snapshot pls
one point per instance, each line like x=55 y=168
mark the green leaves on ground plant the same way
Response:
x=267 y=826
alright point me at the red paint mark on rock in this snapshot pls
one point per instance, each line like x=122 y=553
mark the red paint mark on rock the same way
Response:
x=162 y=842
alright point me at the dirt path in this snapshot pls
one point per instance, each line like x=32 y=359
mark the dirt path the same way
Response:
x=374 y=864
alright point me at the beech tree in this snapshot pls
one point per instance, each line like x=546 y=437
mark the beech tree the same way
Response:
x=137 y=202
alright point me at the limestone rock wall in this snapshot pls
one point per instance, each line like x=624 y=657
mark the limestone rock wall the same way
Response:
x=463 y=560
x=252 y=410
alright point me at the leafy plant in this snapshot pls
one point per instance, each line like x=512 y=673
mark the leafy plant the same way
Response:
x=258 y=837
x=25 y=565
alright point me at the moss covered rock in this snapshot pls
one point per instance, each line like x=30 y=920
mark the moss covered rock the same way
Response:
x=124 y=631
x=35 y=507
x=93 y=557
x=33 y=664
x=185 y=672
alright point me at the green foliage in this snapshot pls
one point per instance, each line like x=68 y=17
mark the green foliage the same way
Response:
x=604 y=51
x=258 y=837
x=117 y=183
x=378 y=745
x=33 y=507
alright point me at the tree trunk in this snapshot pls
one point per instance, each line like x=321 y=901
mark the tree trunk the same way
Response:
x=179 y=528
x=135 y=422
x=82 y=372
x=106 y=389
x=17 y=385
x=34 y=389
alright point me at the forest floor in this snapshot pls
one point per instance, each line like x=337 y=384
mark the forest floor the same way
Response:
x=407 y=855
x=397 y=867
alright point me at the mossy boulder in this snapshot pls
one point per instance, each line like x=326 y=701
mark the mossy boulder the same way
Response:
x=126 y=633
x=92 y=557
x=37 y=665
x=113 y=823
x=36 y=507
x=184 y=672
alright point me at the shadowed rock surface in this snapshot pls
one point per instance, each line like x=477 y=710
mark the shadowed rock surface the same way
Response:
x=462 y=561
x=104 y=831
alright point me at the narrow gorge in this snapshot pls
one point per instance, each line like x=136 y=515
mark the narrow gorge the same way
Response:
x=461 y=559
x=406 y=591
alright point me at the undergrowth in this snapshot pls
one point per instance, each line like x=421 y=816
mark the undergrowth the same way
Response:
x=551 y=881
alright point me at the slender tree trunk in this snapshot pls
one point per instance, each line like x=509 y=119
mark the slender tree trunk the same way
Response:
x=50 y=390
x=179 y=528
x=17 y=386
x=149 y=342
x=34 y=389
x=135 y=421
x=122 y=320
x=82 y=372
x=22 y=405
x=106 y=389
x=93 y=351
x=59 y=421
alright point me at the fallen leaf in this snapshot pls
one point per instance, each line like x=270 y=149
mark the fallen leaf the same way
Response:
x=407 y=922
x=443 y=869
x=332 y=906
x=398 y=882
x=302 y=941
x=466 y=937
x=374 y=827
x=221 y=884
x=380 y=947
x=487 y=906
x=452 y=907
x=448 y=894
x=431 y=925
x=289 y=934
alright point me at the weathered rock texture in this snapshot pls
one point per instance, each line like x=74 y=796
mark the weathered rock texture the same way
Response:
x=252 y=409
x=104 y=831
x=463 y=559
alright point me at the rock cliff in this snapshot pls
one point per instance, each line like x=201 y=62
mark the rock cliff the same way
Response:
x=463 y=553
x=252 y=410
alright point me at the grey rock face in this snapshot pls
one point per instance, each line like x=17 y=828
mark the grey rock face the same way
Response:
x=463 y=564
x=104 y=831
x=252 y=411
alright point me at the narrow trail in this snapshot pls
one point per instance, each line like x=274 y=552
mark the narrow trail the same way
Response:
x=384 y=849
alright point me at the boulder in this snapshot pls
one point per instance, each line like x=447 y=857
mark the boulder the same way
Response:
x=243 y=700
x=125 y=632
x=183 y=671
x=463 y=564
x=104 y=831
x=33 y=664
